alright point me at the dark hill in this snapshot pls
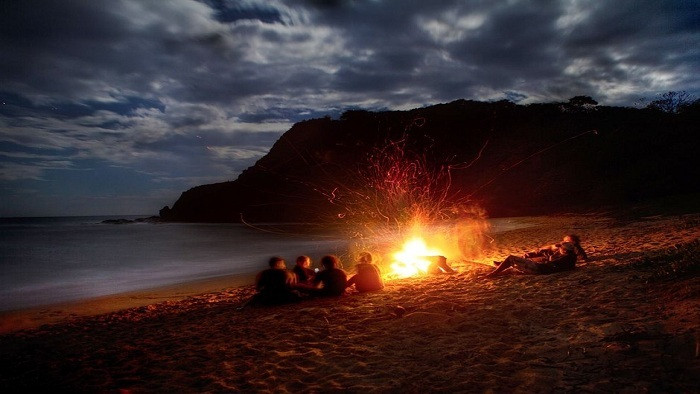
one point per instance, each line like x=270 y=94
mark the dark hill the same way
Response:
x=509 y=159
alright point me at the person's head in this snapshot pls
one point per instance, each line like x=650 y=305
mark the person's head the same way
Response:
x=330 y=261
x=572 y=238
x=566 y=248
x=365 y=257
x=304 y=261
x=277 y=262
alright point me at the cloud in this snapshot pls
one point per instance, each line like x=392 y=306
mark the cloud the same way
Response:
x=184 y=89
x=16 y=171
x=240 y=53
x=236 y=153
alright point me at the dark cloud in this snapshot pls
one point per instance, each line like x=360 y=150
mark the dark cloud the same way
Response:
x=190 y=91
x=16 y=105
x=231 y=11
x=288 y=114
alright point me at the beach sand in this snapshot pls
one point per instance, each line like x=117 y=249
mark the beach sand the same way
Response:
x=56 y=313
x=626 y=321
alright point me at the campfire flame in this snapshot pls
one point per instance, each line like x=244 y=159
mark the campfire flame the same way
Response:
x=412 y=259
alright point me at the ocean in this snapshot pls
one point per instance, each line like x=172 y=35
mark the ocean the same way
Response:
x=51 y=260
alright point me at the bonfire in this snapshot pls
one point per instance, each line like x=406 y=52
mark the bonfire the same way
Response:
x=415 y=258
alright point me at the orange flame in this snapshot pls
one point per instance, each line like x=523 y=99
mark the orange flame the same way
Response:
x=412 y=259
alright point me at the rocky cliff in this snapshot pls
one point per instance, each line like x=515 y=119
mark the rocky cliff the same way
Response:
x=506 y=158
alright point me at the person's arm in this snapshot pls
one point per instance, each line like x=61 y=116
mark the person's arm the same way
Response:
x=310 y=274
x=299 y=273
x=291 y=279
x=351 y=281
x=581 y=252
x=317 y=279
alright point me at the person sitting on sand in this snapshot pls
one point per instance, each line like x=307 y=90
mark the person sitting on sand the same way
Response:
x=368 y=276
x=332 y=279
x=545 y=252
x=562 y=260
x=275 y=285
x=303 y=271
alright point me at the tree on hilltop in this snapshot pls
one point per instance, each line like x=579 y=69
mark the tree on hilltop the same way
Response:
x=580 y=101
x=673 y=102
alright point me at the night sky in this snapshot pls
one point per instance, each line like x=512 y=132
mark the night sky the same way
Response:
x=116 y=107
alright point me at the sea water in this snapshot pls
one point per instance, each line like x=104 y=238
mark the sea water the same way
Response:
x=52 y=260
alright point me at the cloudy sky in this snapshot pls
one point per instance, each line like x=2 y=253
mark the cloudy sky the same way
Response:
x=117 y=106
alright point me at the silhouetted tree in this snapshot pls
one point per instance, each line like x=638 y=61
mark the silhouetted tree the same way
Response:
x=580 y=101
x=354 y=114
x=672 y=102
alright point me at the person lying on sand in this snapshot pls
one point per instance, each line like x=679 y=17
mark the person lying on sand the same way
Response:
x=563 y=259
x=332 y=280
x=302 y=270
x=545 y=252
x=275 y=285
x=368 y=276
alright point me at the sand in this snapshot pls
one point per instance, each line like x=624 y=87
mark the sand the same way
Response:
x=626 y=321
x=56 y=313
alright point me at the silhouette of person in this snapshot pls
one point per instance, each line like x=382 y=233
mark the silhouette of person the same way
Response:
x=368 y=276
x=545 y=252
x=562 y=260
x=275 y=285
x=302 y=270
x=332 y=279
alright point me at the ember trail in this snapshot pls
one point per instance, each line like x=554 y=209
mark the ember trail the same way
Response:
x=402 y=208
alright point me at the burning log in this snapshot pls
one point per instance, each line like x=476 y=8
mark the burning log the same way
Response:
x=416 y=258
x=438 y=265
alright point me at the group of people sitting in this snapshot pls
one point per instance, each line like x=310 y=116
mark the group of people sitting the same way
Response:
x=278 y=285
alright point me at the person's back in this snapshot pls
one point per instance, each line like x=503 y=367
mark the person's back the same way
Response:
x=272 y=280
x=333 y=279
x=274 y=284
x=368 y=276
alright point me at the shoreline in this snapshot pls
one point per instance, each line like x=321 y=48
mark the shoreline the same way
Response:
x=34 y=317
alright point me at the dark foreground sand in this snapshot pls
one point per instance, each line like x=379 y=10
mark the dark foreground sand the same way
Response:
x=627 y=321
